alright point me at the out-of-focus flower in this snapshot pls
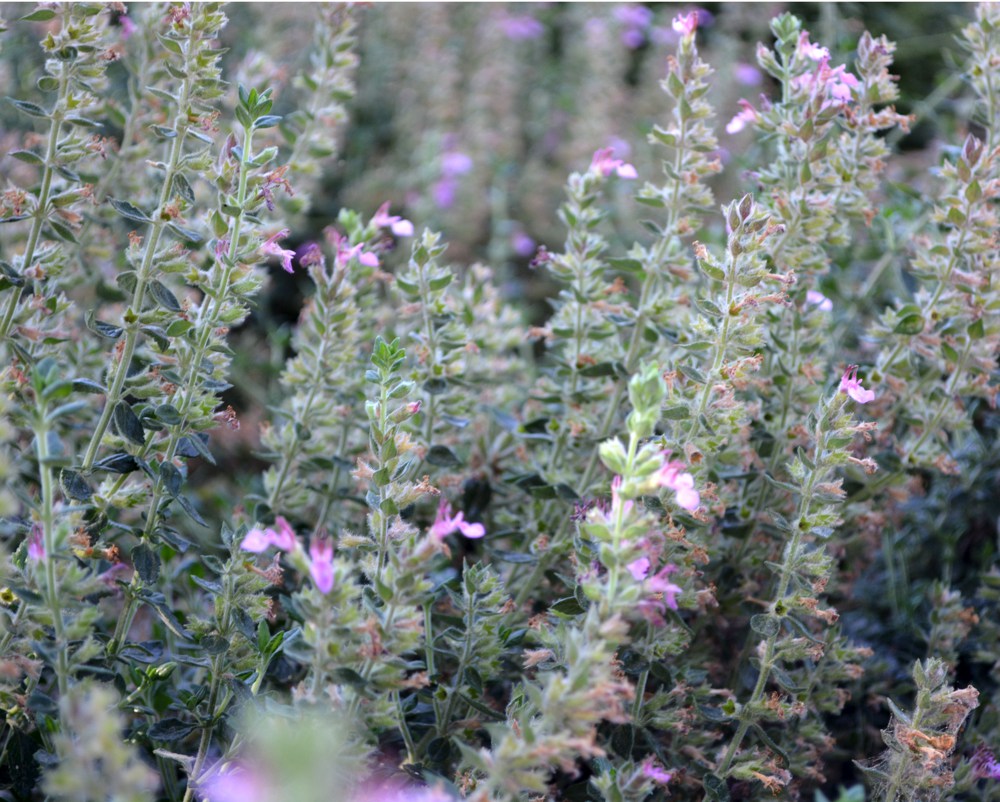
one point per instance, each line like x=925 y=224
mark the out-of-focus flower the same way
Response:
x=36 y=543
x=746 y=114
x=455 y=163
x=235 y=785
x=656 y=773
x=850 y=384
x=658 y=583
x=636 y=20
x=810 y=50
x=816 y=298
x=747 y=74
x=521 y=28
x=260 y=540
x=270 y=247
x=604 y=163
x=639 y=568
x=522 y=244
x=985 y=765
x=685 y=24
x=395 y=223
x=445 y=523
x=128 y=27
x=321 y=564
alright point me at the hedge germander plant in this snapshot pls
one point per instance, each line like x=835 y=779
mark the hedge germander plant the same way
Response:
x=607 y=567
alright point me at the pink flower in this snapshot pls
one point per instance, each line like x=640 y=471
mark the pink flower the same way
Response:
x=639 y=568
x=746 y=114
x=603 y=163
x=850 y=384
x=809 y=50
x=128 y=27
x=455 y=163
x=321 y=564
x=345 y=252
x=240 y=785
x=36 y=544
x=271 y=248
x=815 y=298
x=398 y=226
x=260 y=540
x=446 y=523
x=658 y=583
x=671 y=477
x=685 y=24
x=747 y=74
x=655 y=773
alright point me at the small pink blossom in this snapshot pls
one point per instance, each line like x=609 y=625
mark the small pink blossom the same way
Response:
x=747 y=74
x=345 y=251
x=446 y=523
x=271 y=248
x=747 y=114
x=685 y=24
x=398 y=226
x=260 y=540
x=128 y=27
x=639 y=568
x=455 y=163
x=809 y=50
x=36 y=544
x=658 y=583
x=673 y=478
x=321 y=564
x=850 y=384
x=818 y=299
x=656 y=773
x=238 y=785
x=604 y=163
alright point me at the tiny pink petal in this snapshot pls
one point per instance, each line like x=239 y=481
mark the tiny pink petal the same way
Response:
x=283 y=536
x=639 y=568
x=321 y=564
x=256 y=540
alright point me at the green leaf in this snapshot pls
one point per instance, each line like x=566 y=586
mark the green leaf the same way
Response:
x=716 y=788
x=681 y=412
x=170 y=729
x=569 y=606
x=28 y=157
x=766 y=625
x=89 y=386
x=976 y=329
x=146 y=562
x=119 y=462
x=38 y=15
x=163 y=296
x=74 y=485
x=127 y=424
x=129 y=212
x=911 y=324
x=189 y=235
x=29 y=108
x=443 y=457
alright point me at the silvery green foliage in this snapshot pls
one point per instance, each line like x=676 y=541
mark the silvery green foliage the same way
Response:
x=601 y=564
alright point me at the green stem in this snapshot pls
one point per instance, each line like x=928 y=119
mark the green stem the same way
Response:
x=143 y=276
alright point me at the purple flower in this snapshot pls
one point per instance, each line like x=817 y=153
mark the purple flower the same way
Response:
x=36 y=544
x=271 y=248
x=639 y=568
x=816 y=298
x=321 y=564
x=128 y=27
x=747 y=74
x=850 y=384
x=398 y=226
x=633 y=38
x=985 y=765
x=455 y=163
x=635 y=16
x=445 y=523
x=238 y=785
x=604 y=163
x=522 y=244
x=521 y=28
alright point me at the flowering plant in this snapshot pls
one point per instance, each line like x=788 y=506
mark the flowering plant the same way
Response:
x=415 y=545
